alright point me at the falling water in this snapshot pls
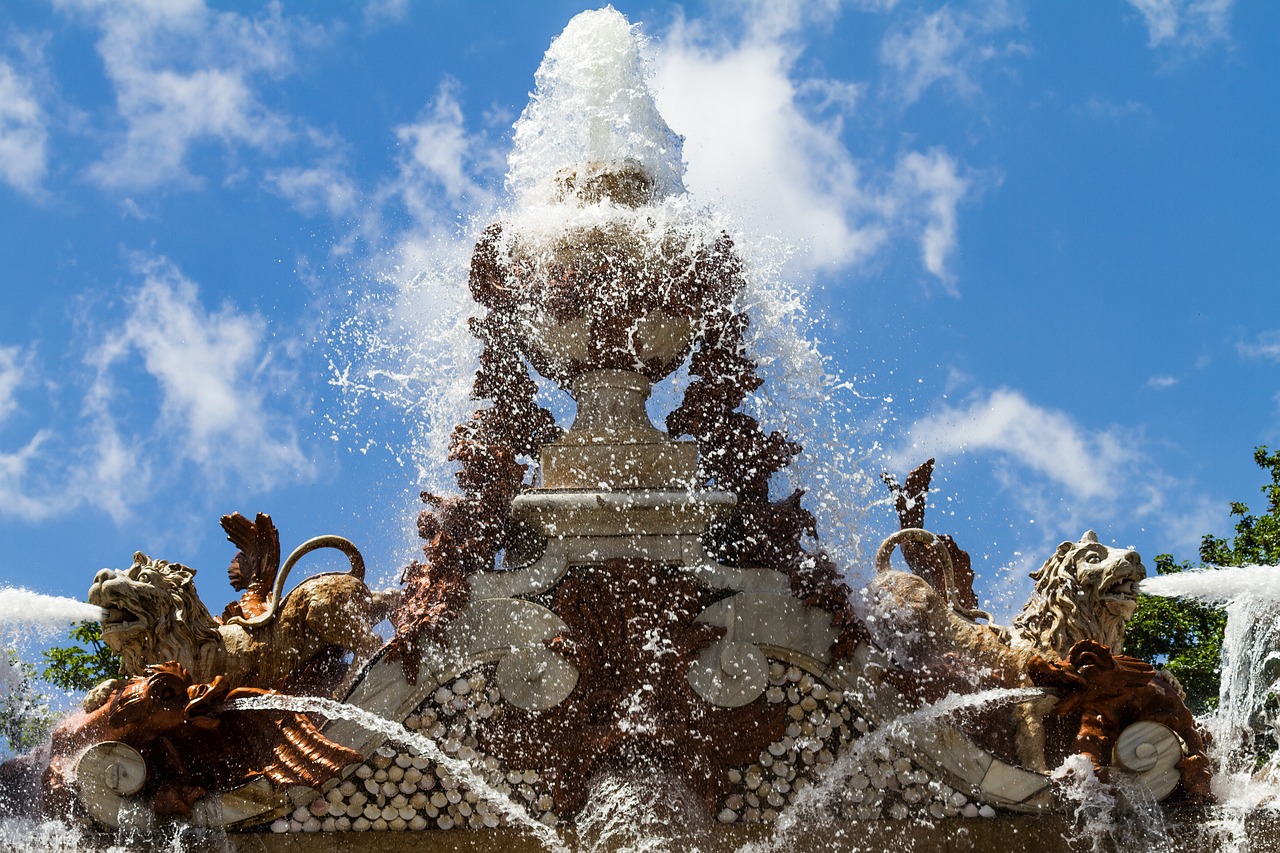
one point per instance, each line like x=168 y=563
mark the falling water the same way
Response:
x=456 y=767
x=1250 y=673
x=810 y=804
x=27 y=617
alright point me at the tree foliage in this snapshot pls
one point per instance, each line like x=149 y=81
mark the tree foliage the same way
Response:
x=84 y=665
x=1185 y=637
x=25 y=716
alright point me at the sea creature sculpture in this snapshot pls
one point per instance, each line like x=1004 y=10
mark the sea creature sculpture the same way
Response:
x=172 y=736
x=1101 y=694
x=152 y=614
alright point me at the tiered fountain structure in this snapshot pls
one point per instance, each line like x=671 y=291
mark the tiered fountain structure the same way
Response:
x=612 y=606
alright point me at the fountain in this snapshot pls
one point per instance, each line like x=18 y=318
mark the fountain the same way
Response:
x=617 y=613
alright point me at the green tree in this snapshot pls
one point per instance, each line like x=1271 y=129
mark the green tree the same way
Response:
x=25 y=717
x=84 y=665
x=1185 y=637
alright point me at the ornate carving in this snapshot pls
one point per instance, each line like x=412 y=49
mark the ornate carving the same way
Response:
x=910 y=500
x=736 y=455
x=190 y=745
x=253 y=569
x=632 y=638
x=1102 y=695
x=152 y=614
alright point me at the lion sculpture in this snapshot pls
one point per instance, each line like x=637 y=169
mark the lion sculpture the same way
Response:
x=1085 y=591
x=152 y=614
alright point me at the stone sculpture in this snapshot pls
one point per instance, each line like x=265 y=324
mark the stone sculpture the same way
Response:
x=172 y=738
x=1085 y=591
x=153 y=614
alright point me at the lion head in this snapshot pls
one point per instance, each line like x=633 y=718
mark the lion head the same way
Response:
x=1085 y=591
x=151 y=614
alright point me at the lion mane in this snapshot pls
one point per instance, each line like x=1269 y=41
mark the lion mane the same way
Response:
x=1085 y=591
x=152 y=615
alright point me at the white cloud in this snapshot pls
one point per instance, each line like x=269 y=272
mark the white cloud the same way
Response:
x=1059 y=473
x=439 y=154
x=24 y=136
x=1046 y=441
x=1265 y=345
x=926 y=190
x=215 y=378
x=381 y=13
x=323 y=188
x=1106 y=108
x=1193 y=24
x=1162 y=382
x=946 y=46
x=183 y=75
x=766 y=151
x=16 y=495
x=13 y=375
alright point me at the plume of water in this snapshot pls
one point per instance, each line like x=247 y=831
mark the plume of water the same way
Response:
x=637 y=812
x=1250 y=649
x=27 y=617
x=592 y=104
x=456 y=767
x=1250 y=673
x=27 y=611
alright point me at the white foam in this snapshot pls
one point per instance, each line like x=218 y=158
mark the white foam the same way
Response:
x=1217 y=585
x=592 y=103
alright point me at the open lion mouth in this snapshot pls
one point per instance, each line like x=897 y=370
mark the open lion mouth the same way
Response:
x=117 y=619
x=1122 y=589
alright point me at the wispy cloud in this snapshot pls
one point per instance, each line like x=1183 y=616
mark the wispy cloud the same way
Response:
x=765 y=143
x=185 y=74
x=215 y=376
x=1264 y=345
x=1059 y=472
x=13 y=375
x=440 y=155
x=1107 y=108
x=925 y=192
x=24 y=135
x=947 y=47
x=1046 y=441
x=1190 y=24
x=382 y=13
x=1162 y=382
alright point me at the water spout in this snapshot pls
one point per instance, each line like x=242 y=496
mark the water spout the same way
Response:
x=457 y=767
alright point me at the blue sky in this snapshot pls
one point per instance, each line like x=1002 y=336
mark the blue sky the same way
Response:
x=235 y=236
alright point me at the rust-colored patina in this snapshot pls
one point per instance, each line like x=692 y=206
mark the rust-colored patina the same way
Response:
x=632 y=637
x=253 y=569
x=1101 y=693
x=191 y=744
x=910 y=500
